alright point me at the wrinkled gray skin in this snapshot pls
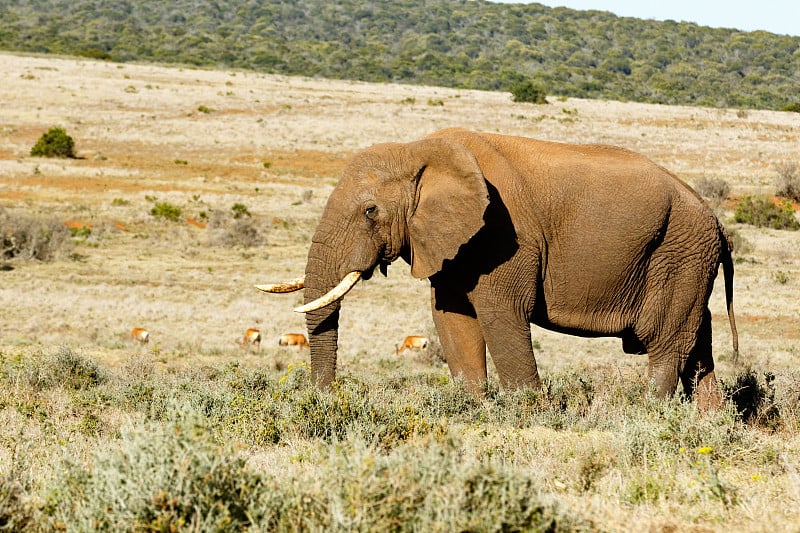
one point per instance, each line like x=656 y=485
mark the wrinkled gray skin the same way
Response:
x=588 y=240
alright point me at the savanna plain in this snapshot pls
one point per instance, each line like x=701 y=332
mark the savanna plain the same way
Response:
x=190 y=186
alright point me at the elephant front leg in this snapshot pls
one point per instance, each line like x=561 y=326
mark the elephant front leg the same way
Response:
x=508 y=337
x=462 y=344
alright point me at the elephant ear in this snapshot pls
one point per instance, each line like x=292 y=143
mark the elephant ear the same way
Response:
x=451 y=199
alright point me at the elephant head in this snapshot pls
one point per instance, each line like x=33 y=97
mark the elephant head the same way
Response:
x=421 y=201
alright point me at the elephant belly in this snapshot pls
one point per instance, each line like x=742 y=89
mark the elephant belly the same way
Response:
x=586 y=307
x=587 y=326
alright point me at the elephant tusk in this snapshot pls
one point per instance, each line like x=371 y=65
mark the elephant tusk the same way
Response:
x=287 y=286
x=334 y=294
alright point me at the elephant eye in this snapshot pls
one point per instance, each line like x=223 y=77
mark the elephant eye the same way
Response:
x=369 y=211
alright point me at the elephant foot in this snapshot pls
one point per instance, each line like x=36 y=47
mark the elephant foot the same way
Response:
x=707 y=394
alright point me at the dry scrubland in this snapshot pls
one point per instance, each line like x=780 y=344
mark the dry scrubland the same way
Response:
x=99 y=433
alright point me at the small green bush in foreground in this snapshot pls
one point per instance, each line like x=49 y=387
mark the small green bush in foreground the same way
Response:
x=54 y=143
x=235 y=448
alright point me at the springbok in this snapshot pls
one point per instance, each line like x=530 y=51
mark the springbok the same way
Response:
x=140 y=335
x=293 y=339
x=412 y=342
x=252 y=339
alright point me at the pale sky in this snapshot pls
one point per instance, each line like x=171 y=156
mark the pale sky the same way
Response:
x=776 y=16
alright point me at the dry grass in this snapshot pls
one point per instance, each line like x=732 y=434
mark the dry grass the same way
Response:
x=276 y=145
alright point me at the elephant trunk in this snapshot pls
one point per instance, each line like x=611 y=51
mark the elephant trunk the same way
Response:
x=323 y=338
x=322 y=323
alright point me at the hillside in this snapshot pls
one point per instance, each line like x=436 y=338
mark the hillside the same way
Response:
x=452 y=43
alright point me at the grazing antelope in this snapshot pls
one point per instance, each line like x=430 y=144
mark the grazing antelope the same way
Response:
x=140 y=335
x=252 y=339
x=293 y=339
x=412 y=342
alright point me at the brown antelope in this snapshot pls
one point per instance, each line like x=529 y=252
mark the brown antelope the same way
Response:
x=140 y=335
x=252 y=339
x=412 y=342
x=293 y=339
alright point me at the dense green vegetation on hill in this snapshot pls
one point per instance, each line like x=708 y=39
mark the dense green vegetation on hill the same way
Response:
x=455 y=43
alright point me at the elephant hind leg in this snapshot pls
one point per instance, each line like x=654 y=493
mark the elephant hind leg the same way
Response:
x=670 y=361
x=697 y=375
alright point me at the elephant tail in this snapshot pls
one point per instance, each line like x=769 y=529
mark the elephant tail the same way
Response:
x=727 y=270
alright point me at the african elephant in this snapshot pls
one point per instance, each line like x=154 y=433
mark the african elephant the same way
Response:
x=588 y=240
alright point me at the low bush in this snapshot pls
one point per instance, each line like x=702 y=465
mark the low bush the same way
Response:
x=156 y=479
x=167 y=211
x=16 y=513
x=741 y=245
x=232 y=448
x=753 y=398
x=54 y=143
x=715 y=189
x=94 y=53
x=28 y=237
x=529 y=92
x=64 y=368
x=762 y=212
x=788 y=180
x=240 y=210
x=74 y=371
x=234 y=228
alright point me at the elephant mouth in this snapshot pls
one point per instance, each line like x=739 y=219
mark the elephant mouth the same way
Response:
x=382 y=266
x=384 y=260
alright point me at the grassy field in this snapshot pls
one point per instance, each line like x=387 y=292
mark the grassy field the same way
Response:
x=192 y=432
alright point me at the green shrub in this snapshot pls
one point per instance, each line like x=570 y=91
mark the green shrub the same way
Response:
x=794 y=107
x=94 y=53
x=64 y=368
x=166 y=210
x=762 y=212
x=240 y=210
x=529 y=92
x=83 y=232
x=74 y=371
x=54 y=143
